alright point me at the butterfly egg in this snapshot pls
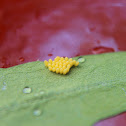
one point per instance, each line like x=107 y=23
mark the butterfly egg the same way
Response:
x=67 y=69
x=49 y=65
x=71 y=63
x=53 y=62
x=68 y=66
x=64 y=71
x=57 y=63
x=60 y=66
x=74 y=62
x=70 y=59
x=56 y=66
x=54 y=69
x=53 y=65
x=50 y=61
x=64 y=67
x=50 y=68
x=57 y=58
x=46 y=63
x=61 y=70
x=66 y=58
x=77 y=63
x=65 y=64
x=61 y=58
x=57 y=70
x=63 y=61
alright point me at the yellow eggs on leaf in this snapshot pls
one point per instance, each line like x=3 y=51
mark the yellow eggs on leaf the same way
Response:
x=61 y=65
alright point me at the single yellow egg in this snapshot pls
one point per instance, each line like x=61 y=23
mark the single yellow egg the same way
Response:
x=70 y=59
x=61 y=58
x=61 y=70
x=74 y=62
x=56 y=66
x=67 y=69
x=60 y=64
x=50 y=61
x=53 y=65
x=57 y=70
x=68 y=66
x=60 y=61
x=54 y=69
x=65 y=64
x=50 y=68
x=53 y=62
x=66 y=58
x=77 y=63
x=57 y=58
x=49 y=65
x=64 y=71
x=64 y=67
x=63 y=61
x=57 y=63
x=46 y=63
x=71 y=63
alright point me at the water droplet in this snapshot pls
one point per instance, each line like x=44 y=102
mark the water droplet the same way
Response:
x=4 y=87
x=21 y=59
x=50 y=54
x=4 y=83
x=81 y=59
x=37 y=112
x=101 y=49
x=42 y=92
x=36 y=95
x=27 y=90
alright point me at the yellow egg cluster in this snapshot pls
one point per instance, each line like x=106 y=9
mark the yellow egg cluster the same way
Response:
x=60 y=65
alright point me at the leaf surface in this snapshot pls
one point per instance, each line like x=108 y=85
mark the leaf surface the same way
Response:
x=94 y=90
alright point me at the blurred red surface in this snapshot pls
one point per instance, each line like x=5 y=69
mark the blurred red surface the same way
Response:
x=33 y=30
x=119 y=120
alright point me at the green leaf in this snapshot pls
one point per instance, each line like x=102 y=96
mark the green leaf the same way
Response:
x=94 y=90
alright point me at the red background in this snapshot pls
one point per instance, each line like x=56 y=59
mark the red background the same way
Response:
x=33 y=30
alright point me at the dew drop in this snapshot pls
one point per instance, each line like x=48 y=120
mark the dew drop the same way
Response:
x=42 y=92
x=4 y=87
x=37 y=112
x=36 y=95
x=4 y=83
x=81 y=59
x=21 y=59
x=101 y=49
x=27 y=90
